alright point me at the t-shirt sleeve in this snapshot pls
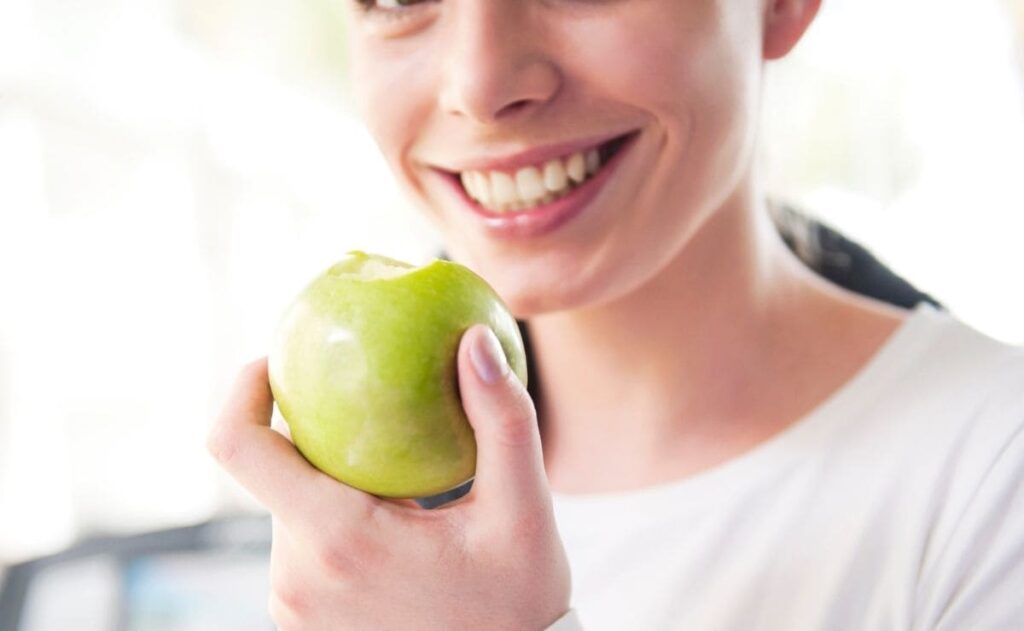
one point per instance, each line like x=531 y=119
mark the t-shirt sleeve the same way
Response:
x=977 y=582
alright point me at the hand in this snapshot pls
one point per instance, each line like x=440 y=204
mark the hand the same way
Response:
x=344 y=559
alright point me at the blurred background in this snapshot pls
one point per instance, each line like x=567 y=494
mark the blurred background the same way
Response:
x=173 y=171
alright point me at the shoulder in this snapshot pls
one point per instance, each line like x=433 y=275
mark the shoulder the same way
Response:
x=962 y=350
x=971 y=573
x=960 y=398
x=942 y=413
x=962 y=391
x=957 y=373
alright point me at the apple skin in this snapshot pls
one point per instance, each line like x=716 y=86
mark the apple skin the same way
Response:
x=364 y=373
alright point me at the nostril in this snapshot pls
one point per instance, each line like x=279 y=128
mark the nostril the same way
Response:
x=515 y=107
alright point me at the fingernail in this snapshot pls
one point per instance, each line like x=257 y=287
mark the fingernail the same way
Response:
x=488 y=358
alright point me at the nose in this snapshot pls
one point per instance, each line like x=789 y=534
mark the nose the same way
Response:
x=496 y=67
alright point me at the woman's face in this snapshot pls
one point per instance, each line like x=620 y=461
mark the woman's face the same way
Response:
x=489 y=111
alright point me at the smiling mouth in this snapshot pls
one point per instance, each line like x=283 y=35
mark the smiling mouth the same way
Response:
x=538 y=184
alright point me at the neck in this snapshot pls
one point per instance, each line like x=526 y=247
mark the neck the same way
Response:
x=695 y=366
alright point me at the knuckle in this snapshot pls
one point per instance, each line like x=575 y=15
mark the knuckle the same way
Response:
x=287 y=602
x=520 y=398
x=286 y=597
x=293 y=600
x=281 y=614
x=339 y=559
x=221 y=444
x=290 y=596
x=517 y=422
x=347 y=552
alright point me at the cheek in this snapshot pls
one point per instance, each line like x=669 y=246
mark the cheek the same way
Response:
x=669 y=45
x=698 y=80
x=689 y=71
x=393 y=89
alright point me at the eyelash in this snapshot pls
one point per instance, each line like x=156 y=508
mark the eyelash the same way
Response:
x=374 y=6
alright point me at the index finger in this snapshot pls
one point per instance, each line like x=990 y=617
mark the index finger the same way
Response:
x=268 y=465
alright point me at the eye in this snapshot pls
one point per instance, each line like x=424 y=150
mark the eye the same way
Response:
x=388 y=5
x=395 y=18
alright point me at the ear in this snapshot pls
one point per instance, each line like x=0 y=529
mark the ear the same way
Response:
x=785 y=22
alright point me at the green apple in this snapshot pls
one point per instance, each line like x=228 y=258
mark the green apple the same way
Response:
x=363 y=369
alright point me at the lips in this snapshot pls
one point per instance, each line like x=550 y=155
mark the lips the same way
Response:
x=533 y=198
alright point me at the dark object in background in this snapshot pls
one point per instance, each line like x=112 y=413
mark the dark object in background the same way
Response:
x=215 y=575
x=210 y=576
x=842 y=261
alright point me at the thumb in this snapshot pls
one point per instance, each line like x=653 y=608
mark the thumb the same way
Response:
x=509 y=463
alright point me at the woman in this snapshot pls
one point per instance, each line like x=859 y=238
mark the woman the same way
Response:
x=730 y=442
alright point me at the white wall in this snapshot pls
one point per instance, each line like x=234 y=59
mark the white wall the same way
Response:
x=902 y=122
x=170 y=174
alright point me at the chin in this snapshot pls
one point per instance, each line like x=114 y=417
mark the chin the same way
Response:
x=546 y=290
x=535 y=279
x=526 y=303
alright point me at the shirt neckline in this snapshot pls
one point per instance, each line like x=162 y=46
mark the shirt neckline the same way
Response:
x=892 y=358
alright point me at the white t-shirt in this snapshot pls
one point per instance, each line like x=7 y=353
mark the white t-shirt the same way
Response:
x=897 y=504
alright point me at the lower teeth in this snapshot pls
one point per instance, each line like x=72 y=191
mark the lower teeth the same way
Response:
x=521 y=205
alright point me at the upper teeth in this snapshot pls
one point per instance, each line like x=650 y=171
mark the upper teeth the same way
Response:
x=532 y=185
